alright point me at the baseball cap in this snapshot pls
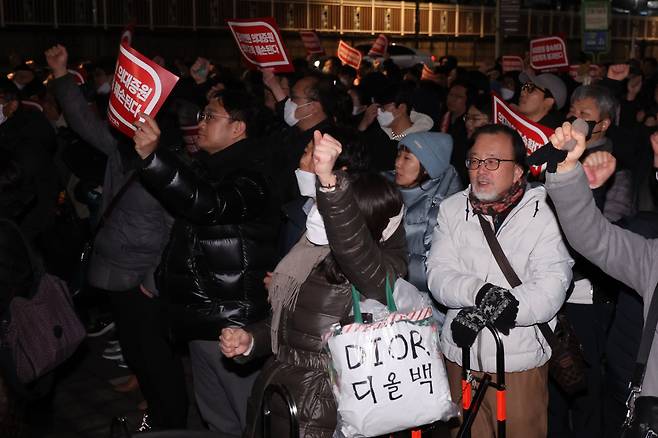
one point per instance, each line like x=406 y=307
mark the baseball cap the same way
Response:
x=549 y=82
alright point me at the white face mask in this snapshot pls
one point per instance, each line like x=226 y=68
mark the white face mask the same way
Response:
x=393 y=224
x=3 y=118
x=305 y=182
x=104 y=89
x=315 y=232
x=289 y=111
x=385 y=118
x=506 y=93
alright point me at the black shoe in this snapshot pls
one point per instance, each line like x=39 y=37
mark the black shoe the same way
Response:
x=145 y=425
x=99 y=328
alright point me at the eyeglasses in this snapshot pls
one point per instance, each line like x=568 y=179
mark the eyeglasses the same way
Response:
x=202 y=115
x=529 y=87
x=489 y=163
x=468 y=117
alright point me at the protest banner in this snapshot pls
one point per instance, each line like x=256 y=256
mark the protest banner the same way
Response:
x=348 y=55
x=533 y=134
x=380 y=46
x=139 y=85
x=548 y=53
x=260 y=43
x=511 y=63
x=311 y=42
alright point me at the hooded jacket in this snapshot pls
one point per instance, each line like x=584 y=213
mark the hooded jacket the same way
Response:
x=460 y=262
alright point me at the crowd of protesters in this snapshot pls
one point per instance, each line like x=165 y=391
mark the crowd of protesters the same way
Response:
x=235 y=221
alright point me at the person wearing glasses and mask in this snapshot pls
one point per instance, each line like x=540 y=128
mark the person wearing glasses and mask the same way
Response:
x=464 y=277
x=542 y=98
x=222 y=243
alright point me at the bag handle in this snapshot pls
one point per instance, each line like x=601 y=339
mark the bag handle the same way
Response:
x=508 y=270
x=645 y=343
x=356 y=301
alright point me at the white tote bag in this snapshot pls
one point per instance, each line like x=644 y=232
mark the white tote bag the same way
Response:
x=388 y=375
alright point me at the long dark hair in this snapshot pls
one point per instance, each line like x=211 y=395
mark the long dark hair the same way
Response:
x=378 y=199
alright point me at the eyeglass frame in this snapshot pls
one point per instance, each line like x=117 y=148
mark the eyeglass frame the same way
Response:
x=530 y=86
x=202 y=115
x=480 y=162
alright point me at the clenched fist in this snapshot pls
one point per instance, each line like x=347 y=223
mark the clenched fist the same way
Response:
x=326 y=150
x=57 y=57
x=234 y=341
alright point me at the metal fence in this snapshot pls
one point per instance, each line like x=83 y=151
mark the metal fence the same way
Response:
x=331 y=16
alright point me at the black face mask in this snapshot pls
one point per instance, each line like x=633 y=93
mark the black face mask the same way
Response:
x=592 y=124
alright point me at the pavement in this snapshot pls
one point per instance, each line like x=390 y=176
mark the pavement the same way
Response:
x=83 y=403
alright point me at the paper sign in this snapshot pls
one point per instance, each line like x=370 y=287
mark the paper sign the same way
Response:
x=311 y=42
x=138 y=85
x=548 y=52
x=533 y=134
x=512 y=63
x=380 y=46
x=348 y=55
x=428 y=74
x=260 y=43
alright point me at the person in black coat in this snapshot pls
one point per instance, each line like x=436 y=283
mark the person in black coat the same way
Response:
x=222 y=243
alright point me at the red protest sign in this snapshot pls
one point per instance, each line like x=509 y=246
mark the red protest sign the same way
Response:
x=512 y=63
x=380 y=46
x=311 y=42
x=139 y=85
x=533 y=134
x=428 y=74
x=260 y=43
x=348 y=55
x=548 y=53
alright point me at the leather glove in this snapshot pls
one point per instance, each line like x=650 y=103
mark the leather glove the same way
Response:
x=466 y=326
x=498 y=306
x=549 y=155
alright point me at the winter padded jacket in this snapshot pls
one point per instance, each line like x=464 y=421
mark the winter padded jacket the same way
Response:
x=223 y=239
x=301 y=363
x=460 y=263
x=622 y=254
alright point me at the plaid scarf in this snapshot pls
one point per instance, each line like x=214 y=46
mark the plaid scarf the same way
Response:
x=502 y=205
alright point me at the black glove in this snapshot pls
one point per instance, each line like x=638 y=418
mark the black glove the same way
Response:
x=549 y=155
x=466 y=326
x=498 y=306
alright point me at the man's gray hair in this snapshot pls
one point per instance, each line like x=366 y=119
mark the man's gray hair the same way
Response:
x=604 y=99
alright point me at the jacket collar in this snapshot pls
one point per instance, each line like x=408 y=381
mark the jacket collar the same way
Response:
x=533 y=193
x=236 y=156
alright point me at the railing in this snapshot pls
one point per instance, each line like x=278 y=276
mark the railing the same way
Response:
x=330 y=16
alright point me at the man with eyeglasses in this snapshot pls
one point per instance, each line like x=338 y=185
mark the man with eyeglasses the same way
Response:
x=222 y=243
x=542 y=97
x=464 y=276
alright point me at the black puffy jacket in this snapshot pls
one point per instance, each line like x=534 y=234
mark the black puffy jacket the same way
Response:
x=222 y=242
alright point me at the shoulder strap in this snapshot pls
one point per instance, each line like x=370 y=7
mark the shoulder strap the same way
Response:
x=507 y=269
x=645 y=344
x=113 y=203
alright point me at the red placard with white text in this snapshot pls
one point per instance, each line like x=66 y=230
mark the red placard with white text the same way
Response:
x=139 y=85
x=348 y=55
x=311 y=42
x=533 y=134
x=260 y=43
x=512 y=63
x=380 y=46
x=548 y=53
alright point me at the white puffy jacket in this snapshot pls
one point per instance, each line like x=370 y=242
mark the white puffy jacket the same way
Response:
x=460 y=263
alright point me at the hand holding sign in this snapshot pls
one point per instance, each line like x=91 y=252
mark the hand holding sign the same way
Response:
x=146 y=137
x=57 y=58
x=234 y=341
x=560 y=138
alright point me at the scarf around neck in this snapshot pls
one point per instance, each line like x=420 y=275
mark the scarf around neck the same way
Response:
x=288 y=277
x=502 y=205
